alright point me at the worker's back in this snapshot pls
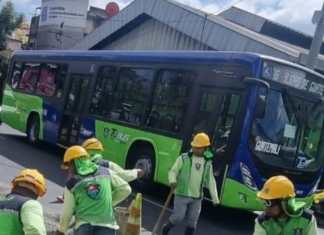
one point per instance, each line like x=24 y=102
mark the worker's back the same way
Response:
x=93 y=197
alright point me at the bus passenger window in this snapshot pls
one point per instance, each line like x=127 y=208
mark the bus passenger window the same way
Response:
x=132 y=95
x=60 y=79
x=102 y=97
x=170 y=100
x=210 y=100
x=225 y=121
x=46 y=84
x=29 y=77
x=16 y=74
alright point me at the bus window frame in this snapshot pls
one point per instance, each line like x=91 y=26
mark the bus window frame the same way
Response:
x=156 y=68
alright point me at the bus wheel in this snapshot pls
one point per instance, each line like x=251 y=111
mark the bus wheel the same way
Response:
x=142 y=158
x=33 y=129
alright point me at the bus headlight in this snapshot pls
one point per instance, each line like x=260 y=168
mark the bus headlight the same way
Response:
x=247 y=177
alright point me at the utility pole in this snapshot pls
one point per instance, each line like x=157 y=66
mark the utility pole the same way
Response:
x=318 y=19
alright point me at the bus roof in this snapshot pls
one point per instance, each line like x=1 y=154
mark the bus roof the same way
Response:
x=184 y=57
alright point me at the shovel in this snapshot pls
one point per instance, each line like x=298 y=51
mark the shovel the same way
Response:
x=165 y=206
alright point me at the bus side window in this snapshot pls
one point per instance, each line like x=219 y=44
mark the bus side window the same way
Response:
x=46 y=84
x=170 y=100
x=29 y=77
x=225 y=121
x=16 y=74
x=209 y=102
x=102 y=97
x=131 y=95
x=60 y=79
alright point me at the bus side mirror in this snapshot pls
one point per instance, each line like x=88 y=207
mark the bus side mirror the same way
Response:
x=261 y=101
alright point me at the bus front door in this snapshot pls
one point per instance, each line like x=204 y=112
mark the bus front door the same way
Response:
x=216 y=114
x=73 y=109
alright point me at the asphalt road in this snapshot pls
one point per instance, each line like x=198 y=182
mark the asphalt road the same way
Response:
x=16 y=153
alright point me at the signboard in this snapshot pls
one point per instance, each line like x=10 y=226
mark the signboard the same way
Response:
x=291 y=77
x=62 y=13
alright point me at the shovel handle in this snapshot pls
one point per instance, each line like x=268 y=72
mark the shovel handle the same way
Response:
x=165 y=206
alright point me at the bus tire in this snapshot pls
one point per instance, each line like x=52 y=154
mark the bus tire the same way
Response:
x=143 y=158
x=33 y=127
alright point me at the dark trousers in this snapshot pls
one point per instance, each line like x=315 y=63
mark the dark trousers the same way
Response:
x=88 y=229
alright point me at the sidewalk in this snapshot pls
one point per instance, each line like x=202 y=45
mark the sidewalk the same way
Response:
x=51 y=218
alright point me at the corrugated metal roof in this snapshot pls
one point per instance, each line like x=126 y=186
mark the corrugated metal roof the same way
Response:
x=153 y=35
x=244 y=18
x=210 y=30
x=269 y=28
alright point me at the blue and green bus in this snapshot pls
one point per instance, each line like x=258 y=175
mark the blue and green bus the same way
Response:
x=264 y=115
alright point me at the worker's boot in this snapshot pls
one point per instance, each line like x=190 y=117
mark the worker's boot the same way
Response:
x=190 y=231
x=166 y=228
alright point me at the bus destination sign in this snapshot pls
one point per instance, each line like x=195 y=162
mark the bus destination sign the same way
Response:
x=291 y=77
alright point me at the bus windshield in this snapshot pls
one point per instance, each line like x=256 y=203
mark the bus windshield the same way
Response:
x=290 y=130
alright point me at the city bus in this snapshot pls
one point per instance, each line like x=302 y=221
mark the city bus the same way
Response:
x=264 y=115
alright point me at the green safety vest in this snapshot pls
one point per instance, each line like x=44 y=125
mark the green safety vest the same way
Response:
x=289 y=226
x=93 y=199
x=10 y=206
x=184 y=175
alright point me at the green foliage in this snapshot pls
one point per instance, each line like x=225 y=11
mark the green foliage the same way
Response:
x=9 y=21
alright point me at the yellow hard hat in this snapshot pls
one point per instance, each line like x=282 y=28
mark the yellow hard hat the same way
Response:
x=277 y=187
x=32 y=177
x=200 y=140
x=92 y=144
x=72 y=153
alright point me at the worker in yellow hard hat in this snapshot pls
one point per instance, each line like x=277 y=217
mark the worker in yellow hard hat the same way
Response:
x=20 y=212
x=90 y=195
x=95 y=149
x=191 y=172
x=283 y=214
